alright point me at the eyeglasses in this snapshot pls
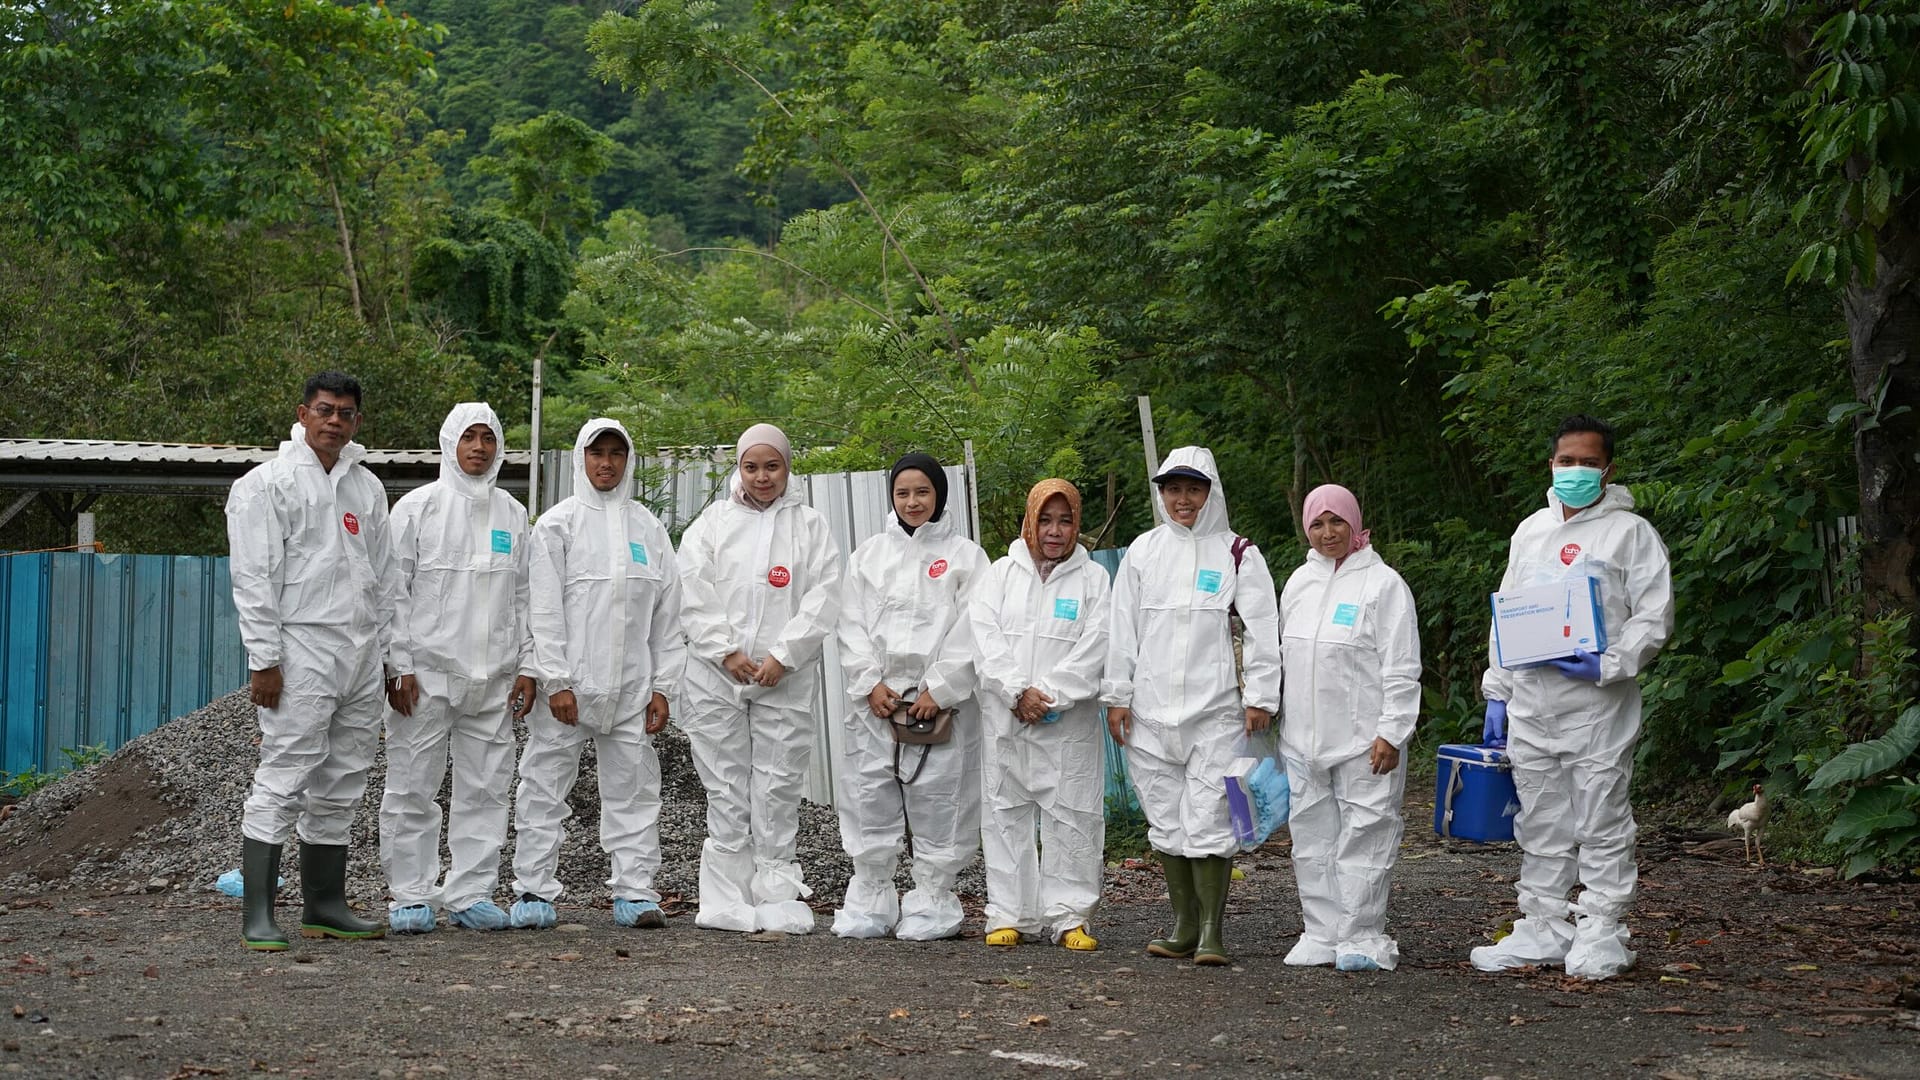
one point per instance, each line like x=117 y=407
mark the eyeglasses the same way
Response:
x=323 y=410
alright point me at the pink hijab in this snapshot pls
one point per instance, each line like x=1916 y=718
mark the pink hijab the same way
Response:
x=1344 y=506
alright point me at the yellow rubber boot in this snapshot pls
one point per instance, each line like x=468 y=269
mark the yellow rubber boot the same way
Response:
x=1006 y=937
x=1079 y=940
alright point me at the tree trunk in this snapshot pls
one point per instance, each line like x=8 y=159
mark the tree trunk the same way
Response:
x=1883 y=326
x=346 y=242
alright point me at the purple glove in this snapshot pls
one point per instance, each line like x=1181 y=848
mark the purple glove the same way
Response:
x=1494 y=731
x=1584 y=666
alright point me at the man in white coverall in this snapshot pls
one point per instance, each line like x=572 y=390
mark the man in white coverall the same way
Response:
x=761 y=579
x=1173 y=699
x=904 y=632
x=312 y=572
x=604 y=611
x=1571 y=725
x=459 y=652
x=1040 y=627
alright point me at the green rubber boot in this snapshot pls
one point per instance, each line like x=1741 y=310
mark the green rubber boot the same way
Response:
x=1186 y=911
x=323 y=883
x=260 y=878
x=1210 y=878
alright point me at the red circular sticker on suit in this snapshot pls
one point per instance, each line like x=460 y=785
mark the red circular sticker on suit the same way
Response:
x=779 y=577
x=352 y=523
x=1569 y=553
x=939 y=567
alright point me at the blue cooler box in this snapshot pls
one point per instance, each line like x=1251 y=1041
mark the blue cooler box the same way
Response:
x=1473 y=795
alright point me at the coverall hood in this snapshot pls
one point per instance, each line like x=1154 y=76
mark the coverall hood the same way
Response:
x=459 y=419
x=1213 y=515
x=583 y=488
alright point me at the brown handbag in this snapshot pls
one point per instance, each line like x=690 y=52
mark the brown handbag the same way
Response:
x=932 y=731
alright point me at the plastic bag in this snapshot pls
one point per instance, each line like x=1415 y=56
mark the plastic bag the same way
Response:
x=1258 y=796
x=230 y=884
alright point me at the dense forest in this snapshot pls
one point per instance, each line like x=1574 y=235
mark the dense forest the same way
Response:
x=1381 y=242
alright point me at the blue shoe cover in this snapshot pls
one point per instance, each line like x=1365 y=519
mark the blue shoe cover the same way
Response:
x=642 y=913
x=412 y=919
x=533 y=913
x=1354 y=962
x=485 y=915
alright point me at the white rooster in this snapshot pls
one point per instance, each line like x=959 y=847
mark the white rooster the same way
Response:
x=1751 y=819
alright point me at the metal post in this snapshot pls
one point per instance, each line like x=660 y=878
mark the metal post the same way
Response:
x=533 y=466
x=973 y=489
x=1146 y=435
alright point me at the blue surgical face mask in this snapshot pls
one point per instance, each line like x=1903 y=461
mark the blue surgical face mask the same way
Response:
x=1577 y=486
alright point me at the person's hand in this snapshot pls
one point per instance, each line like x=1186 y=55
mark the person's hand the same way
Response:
x=923 y=707
x=263 y=687
x=1032 y=706
x=657 y=714
x=403 y=693
x=521 y=699
x=882 y=701
x=1120 y=724
x=769 y=672
x=565 y=708
x=1385 y=757
x=1494 y=731
x=1257 y=720
x=742 y=669
x=1584 y=666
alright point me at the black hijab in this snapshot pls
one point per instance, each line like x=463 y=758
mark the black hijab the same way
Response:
x=933 y=471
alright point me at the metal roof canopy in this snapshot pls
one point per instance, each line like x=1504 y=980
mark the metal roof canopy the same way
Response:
x=98 y=467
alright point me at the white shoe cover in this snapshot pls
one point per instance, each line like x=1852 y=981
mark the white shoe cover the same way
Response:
x=1379 y=948
x=1534 y=941
x=784 y=916
x=1309 y=953
x=725 y=917
x=870 y=910
x=1599 y=949
x=929 y=915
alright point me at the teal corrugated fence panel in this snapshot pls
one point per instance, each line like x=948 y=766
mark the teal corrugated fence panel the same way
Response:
x=99 y=649
x=23 y=661
x=1120 y=793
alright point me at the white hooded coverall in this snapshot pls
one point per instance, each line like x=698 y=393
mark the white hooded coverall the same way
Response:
x=1051 y=635
x=763 y=583
x=1170 y=660
x=1352 y=651
x=460 y=624
x=604 y=611
x=1572 y=742
x=312 y=572
x=905 y=624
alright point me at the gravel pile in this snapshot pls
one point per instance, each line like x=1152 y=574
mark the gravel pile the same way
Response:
x=163 y=813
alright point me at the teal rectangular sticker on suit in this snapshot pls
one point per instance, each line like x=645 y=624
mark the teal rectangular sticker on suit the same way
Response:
x=503 y=541
x=1064 y=608
x=639 y=553
x=1207 y=581
x=1346 y=614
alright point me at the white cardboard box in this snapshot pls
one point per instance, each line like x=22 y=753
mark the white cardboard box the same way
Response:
x=1548 y=622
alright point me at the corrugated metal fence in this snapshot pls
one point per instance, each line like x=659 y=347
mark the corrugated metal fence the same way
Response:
x=101 y=648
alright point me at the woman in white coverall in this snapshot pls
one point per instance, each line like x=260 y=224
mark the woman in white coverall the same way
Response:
x=1352 y=693
x=1574 y=723
x=905 y=633
x=459 y=650
x=1040 y=628
x=761 y=580
x=1173 y=699
x=604 y=611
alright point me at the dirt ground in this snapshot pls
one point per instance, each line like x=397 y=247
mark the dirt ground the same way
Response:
x=1743 y=973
